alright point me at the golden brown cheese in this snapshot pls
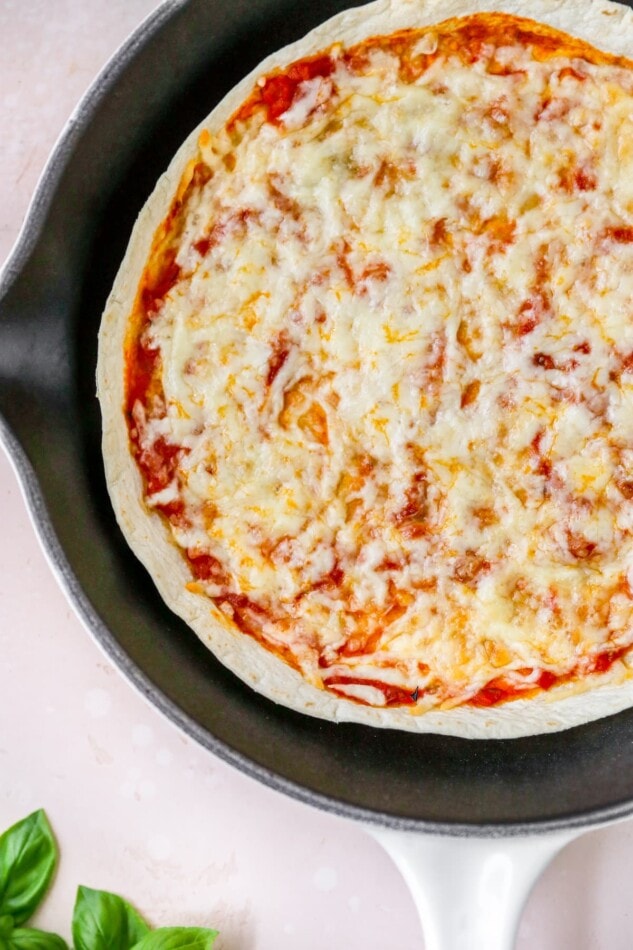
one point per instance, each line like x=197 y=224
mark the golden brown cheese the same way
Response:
x=380 y=372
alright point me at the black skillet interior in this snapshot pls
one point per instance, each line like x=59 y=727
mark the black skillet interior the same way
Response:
x=48 y=331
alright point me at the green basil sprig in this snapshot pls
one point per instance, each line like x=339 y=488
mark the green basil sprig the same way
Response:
x=101 y=920
x=178 y=938
x=28 y=855
x=25 y=938
x=104 y=921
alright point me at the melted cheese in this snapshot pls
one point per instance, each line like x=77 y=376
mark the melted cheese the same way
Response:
x=396 y=363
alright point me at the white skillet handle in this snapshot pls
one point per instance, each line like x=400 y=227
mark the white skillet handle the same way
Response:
x=470 y=892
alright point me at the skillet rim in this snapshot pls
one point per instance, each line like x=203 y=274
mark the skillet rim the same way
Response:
x=19 y=256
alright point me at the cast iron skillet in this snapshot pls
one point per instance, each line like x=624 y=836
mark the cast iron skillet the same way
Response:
x=156 y=89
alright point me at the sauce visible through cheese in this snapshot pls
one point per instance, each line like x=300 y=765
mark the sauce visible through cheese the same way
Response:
x=380 y=368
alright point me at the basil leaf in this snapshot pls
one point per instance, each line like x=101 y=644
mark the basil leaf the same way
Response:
x=178 y=938
x=28 y=856
x=6 y=925
x=29 y=939
x=104 y=921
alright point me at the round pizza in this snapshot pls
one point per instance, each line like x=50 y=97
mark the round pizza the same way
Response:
x=366 y=372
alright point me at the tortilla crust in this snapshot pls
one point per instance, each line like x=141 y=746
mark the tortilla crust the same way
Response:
x=605 y=24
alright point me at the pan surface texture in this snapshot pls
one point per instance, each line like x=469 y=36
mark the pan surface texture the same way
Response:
x=159 y=86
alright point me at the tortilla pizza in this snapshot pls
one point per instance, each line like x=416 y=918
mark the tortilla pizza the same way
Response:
x=366 y=372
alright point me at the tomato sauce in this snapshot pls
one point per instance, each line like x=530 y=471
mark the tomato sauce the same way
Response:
x=394 y=695
x=279 y=89
x=206 y=567
x=279 y=357
x=622 y=235
x=155 y=291
x=501 y=690
x=249 y=617
x=142 y=363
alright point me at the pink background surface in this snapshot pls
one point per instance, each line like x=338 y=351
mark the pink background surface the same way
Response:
x=137 y=807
